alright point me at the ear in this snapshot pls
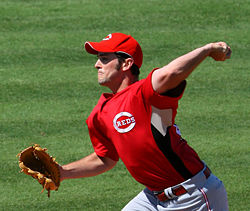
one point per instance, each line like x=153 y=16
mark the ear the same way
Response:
x=127 y=64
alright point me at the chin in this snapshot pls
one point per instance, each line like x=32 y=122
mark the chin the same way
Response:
x=103 y=82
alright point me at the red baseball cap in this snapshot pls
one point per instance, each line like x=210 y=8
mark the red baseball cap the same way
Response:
x=117 y=43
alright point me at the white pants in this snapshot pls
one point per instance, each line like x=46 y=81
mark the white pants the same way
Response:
x=203 y=195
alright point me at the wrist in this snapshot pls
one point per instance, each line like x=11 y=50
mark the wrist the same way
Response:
x=208 y=48
x=62 y=173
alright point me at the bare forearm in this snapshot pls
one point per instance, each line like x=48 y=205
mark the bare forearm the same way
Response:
x=169 y=76
x=181 y=67
x=88 y=166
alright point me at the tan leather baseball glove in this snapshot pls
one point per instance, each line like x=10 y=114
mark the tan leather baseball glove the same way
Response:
x=36 y=162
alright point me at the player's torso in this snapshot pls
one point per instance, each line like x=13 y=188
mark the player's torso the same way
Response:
x=125 y=120
x=129 y=122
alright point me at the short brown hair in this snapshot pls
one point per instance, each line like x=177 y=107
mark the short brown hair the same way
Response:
x=121 y=58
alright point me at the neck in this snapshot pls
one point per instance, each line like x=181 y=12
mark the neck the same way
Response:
x=127 y=81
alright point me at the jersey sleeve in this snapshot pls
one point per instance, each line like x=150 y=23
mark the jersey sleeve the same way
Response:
x=103 y=147
x=162 y=101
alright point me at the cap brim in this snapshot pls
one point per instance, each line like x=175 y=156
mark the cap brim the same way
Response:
x=95 y=47
x=89 y=47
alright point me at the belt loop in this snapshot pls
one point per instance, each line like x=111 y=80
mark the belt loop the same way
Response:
x=207 y=172
x=169 y=193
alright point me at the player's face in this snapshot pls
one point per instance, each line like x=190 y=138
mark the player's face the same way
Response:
x=107 y=66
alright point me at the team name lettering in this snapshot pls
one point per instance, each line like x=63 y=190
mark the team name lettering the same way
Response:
x=124 y=122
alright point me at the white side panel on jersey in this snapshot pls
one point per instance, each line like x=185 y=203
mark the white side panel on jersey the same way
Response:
x=161 y=119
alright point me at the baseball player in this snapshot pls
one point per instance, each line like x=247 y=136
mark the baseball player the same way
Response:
x=136 y=123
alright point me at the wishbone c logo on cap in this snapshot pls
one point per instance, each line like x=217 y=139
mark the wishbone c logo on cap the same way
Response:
x=108 y=37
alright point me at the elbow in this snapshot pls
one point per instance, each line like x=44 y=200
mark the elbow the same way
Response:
x=165 y=79
x=108 y=163
x=172 y=80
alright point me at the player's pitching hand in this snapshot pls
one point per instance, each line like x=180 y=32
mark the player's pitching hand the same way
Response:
x=220 y=51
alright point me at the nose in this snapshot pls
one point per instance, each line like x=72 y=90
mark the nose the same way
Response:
x=98 y=64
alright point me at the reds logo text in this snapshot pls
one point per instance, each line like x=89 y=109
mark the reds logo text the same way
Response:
x=124 y=122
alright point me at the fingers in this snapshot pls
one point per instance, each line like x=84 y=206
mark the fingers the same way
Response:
x=226 y=50
x=220 y=51
x=228 y=53
x=221 y=46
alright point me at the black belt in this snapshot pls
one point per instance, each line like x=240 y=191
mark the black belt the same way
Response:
x=180 y=190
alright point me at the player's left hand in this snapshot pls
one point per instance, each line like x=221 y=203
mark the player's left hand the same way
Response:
x=220 y=51
x=36 y=162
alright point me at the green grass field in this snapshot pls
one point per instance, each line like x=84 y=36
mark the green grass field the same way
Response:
x=48 y=88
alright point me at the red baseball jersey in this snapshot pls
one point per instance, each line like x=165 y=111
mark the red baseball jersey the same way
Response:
x=138 y=125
